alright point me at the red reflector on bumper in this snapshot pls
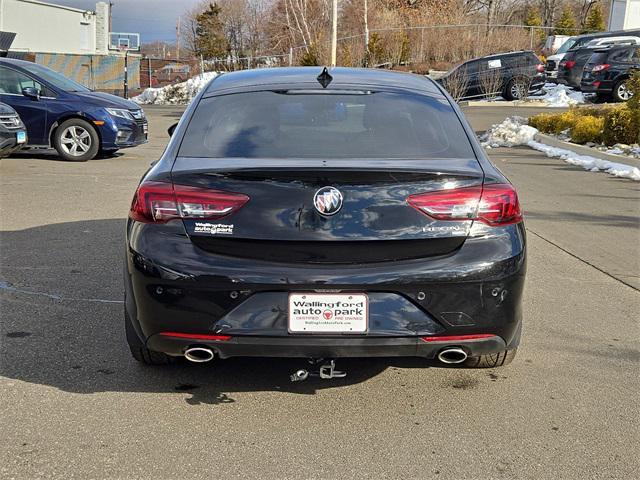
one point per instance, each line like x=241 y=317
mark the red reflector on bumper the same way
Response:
x=456 y=338
x=197 y=336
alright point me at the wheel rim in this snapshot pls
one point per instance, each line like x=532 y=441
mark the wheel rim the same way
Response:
x=75 y=141
x=623 y=91
x=516 y=90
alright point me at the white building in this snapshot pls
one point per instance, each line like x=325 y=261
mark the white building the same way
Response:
x=625 y=14
x=48 y=28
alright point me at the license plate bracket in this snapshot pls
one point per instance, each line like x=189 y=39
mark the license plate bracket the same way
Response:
x=341 y=313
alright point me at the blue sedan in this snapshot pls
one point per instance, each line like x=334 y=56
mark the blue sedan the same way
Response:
x=60 y=113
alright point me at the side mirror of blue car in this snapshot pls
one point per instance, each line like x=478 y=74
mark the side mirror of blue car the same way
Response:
x=31 y=92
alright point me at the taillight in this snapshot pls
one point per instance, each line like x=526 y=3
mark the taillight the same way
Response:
x=159 y=202
x=600 y=68
x=494 y=204
x=569 y=64
x=540 y=68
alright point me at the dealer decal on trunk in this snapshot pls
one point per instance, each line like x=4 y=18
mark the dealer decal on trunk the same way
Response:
x=213 y=228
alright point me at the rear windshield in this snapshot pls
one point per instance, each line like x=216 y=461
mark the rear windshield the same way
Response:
x=325 y=125
x=566 y=45
x=598 y=57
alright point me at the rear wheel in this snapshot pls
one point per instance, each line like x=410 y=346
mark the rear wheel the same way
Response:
x=515 y=89
x=620 y=91
x=149 y=357
x=76 y=140
x=491 y=361
x=141 y=353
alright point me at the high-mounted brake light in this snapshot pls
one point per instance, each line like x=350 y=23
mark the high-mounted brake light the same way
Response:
x=600 y=68
x=159 y=202
x=493 y=204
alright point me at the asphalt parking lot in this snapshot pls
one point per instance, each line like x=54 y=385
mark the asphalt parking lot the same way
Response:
x=74 y=404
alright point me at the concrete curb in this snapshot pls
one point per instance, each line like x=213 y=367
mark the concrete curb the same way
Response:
x=509 y=104
x=582 y=150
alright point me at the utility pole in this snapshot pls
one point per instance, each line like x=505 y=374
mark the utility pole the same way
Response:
x=334 y=34
x=366 y=25
x=366 y=33
x=178 y=38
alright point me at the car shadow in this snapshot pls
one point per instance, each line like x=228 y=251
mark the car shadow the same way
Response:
x=52 y=155
x=62 y=326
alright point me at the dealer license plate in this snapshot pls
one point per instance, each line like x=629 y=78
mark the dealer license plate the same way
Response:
x=328 y=313
x=21 y=137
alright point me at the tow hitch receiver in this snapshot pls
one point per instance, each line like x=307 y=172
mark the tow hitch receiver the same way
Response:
x=325 y=371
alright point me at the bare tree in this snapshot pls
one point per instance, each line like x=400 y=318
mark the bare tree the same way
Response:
x=490 y=80
x=456 y=83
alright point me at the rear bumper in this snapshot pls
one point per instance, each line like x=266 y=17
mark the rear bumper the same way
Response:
x=325 y=347
x=602 y=86
x=173 y=286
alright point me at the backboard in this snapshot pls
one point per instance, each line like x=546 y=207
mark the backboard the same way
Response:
x=124 y=41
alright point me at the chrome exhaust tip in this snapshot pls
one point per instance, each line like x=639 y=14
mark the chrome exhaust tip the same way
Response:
x=452 y=355
x=199 y=354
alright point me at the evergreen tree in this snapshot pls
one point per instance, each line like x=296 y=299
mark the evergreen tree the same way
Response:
x=567 y=23
x=595 y=20
x=533 y=19
x=310 y=57
x=210 y=40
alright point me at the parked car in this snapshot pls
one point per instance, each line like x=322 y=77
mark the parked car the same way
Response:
x=553 y=43
x=572 y=65
x=607 y=71
x=509 y=74
x=13 y=134
x=553 y=61
x=172 y=73
x=386 y=232
x=67 y=116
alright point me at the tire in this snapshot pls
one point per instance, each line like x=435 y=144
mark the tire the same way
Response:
x=149 y=357
x=141 y=353
x=620 y=92
x=511 y=90
x=76 y=140
x=491 y=361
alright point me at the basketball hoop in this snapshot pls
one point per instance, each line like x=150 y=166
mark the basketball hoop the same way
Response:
x=123 y=42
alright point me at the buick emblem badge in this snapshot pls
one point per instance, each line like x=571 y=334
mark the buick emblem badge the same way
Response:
x=328 y=201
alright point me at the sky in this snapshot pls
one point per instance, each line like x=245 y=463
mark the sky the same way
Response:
x=152 y=19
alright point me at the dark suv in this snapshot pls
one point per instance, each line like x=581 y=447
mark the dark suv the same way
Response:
x=574 y=61
x=13 y=134
x=60 y=113
x=607 y=71
x=507 y=74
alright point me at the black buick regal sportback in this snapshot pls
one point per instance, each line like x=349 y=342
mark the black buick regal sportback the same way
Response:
x=349 y=213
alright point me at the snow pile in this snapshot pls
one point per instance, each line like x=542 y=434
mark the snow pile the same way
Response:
x=180 y=93
x=512 y=131
x=560 y=96
x=553 y=95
